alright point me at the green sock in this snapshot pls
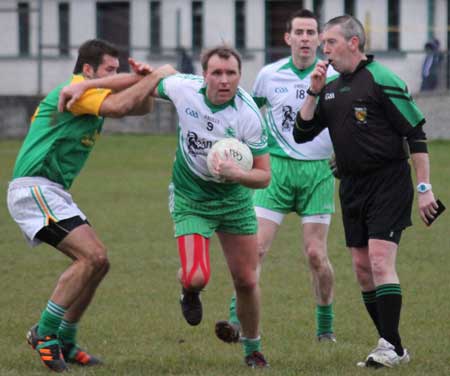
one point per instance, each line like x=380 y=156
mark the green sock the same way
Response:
x=324 y=319
x=67 y=332
x=251 y=345
x=233 y=313
x=51 y=319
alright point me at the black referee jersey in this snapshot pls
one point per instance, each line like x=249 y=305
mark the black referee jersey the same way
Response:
x=368 y=112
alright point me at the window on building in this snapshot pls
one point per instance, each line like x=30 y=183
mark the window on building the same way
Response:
x=431 y=18
x=197 y=25
x=318 y=9
x=349 y=7
x=393 y=24
x=240 y=35
x=155 y=26
x=448 y=49
x=113 y=25
x=64 y=37
x=24 y=27
x=277 y=13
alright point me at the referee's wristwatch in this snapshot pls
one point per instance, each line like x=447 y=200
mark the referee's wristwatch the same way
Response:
x=310 y=92
x=423 y=187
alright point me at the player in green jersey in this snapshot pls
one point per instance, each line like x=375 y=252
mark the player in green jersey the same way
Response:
x=52 y=155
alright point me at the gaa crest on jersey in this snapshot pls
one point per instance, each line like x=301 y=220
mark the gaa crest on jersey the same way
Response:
x=360 y=114
x=196 y=145
x=288 y=118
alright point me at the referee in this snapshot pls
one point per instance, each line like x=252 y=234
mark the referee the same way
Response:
x=369 y=113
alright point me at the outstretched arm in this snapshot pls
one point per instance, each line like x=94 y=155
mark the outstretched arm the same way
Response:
x=71 y=93
x=117 y=82
x=127 y=101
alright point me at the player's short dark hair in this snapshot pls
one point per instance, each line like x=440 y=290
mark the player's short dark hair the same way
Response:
x=302 y=13
x=350 y=27
x=91 y=52
x=224 y=52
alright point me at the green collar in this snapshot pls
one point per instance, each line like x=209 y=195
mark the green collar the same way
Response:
x=216 y=107
x=301 y=73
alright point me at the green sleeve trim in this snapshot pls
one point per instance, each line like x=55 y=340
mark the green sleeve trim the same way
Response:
x=331 y=78
x=258 y=152
x=397 y=92
x=260 y=101
x=161 y=91
x=408 y=109
x=399 y=96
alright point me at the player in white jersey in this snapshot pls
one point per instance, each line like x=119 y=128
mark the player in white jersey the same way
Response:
x=301 y=179
x=210 y=108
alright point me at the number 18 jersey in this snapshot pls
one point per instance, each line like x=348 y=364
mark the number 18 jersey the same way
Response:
x=281 y=88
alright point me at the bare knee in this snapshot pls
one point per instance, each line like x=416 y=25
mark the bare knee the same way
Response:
x=380 y=268
x=106 y=266
x=363 y=273
x=317 y=257
x=262 y=250
x=98 y=260
x=245 y=281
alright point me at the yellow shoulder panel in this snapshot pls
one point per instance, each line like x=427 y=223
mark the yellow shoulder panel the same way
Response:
x=91 y=100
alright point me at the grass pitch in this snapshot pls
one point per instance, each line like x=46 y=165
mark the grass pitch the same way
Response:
x=135 y=323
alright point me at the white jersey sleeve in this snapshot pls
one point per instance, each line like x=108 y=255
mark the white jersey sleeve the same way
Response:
x=258 y=92
x=169 y=87
x=252 y=124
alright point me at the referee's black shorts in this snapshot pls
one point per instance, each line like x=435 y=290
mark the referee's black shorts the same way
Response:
x=377 y=205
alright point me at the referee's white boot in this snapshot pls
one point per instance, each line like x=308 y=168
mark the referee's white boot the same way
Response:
x=384 y=355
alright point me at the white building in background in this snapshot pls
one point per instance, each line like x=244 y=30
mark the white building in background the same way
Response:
x=151 y=30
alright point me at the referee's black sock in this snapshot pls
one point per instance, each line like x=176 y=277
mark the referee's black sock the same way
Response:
x=389 y=304
x=370 y=301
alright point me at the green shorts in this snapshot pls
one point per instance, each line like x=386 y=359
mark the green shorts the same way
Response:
x=229 y=214
x=304 y=187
